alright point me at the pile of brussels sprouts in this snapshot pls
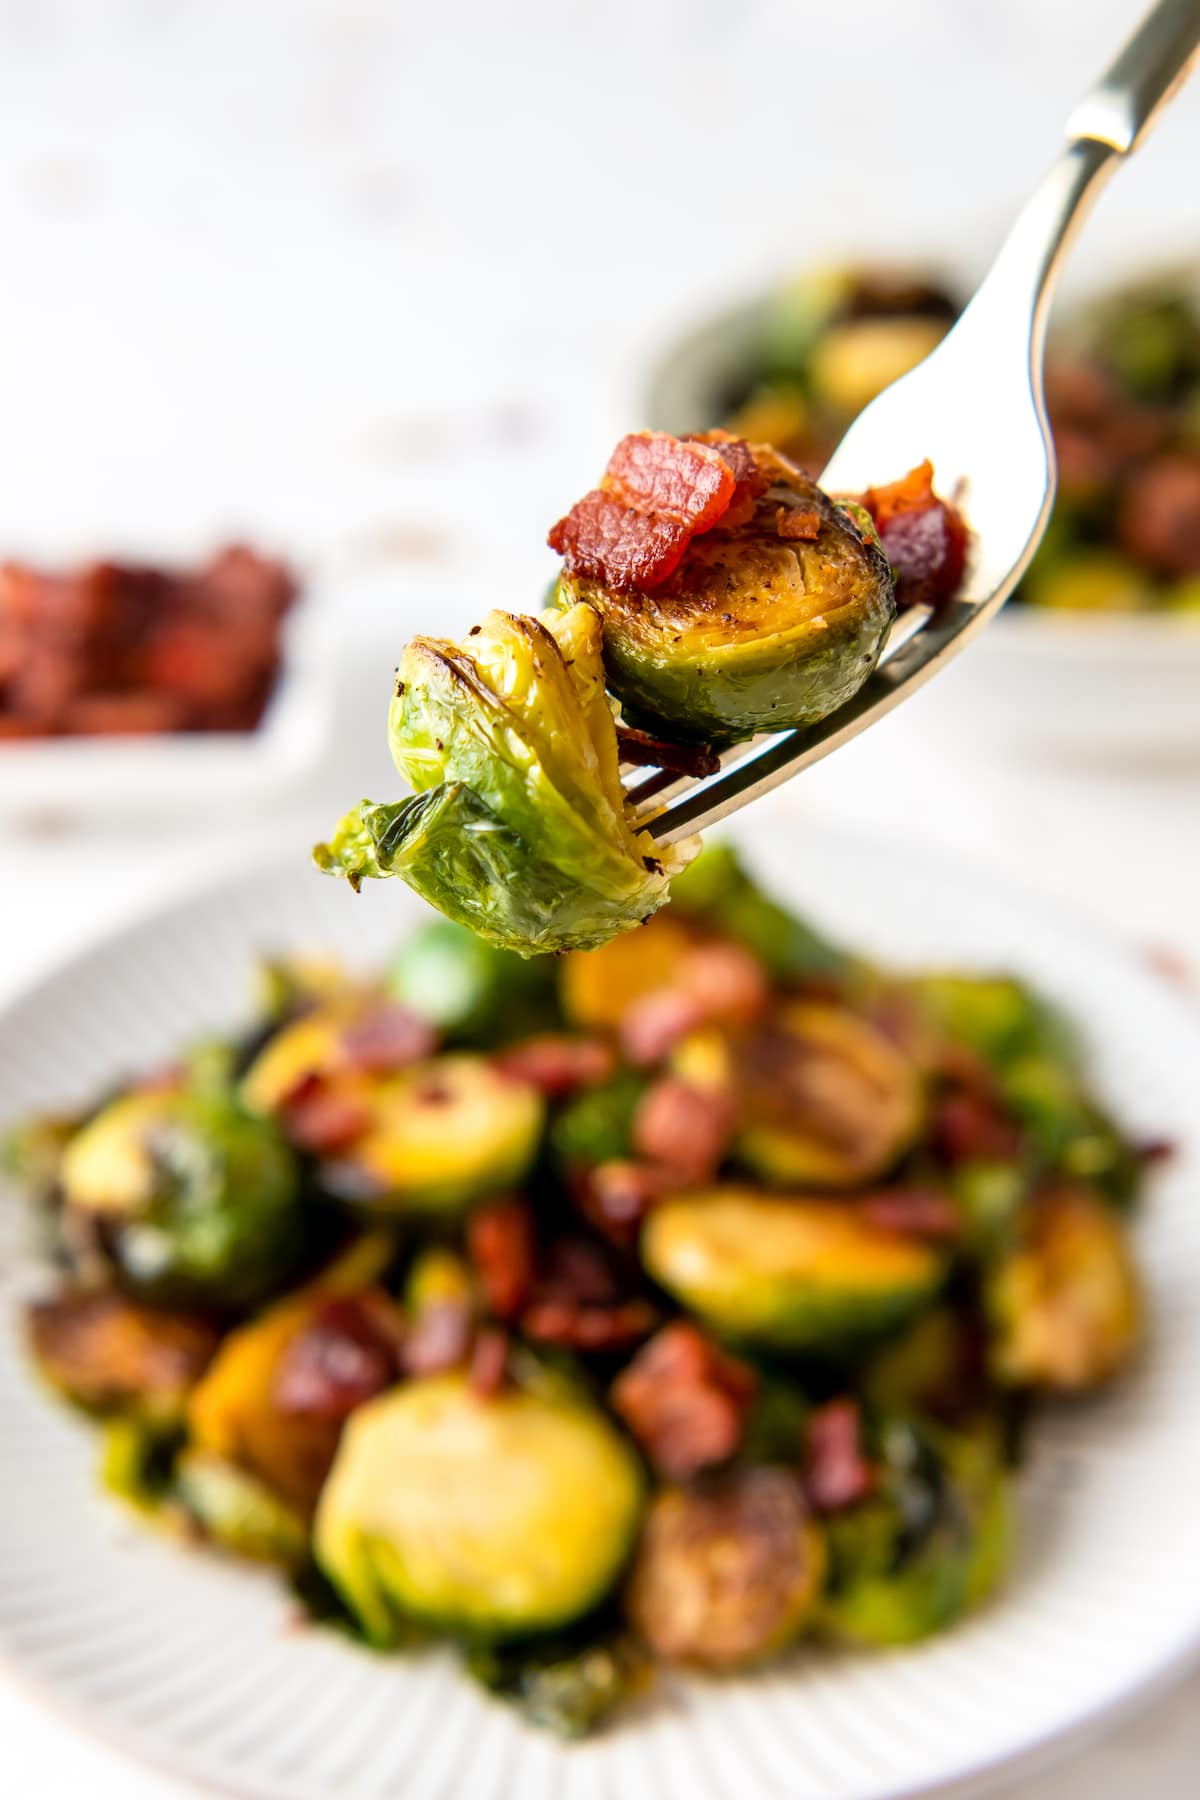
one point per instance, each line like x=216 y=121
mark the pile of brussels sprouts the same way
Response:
x=709 y=592
x=669 y=1303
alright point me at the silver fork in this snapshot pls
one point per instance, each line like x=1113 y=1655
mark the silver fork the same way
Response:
x=975 y=408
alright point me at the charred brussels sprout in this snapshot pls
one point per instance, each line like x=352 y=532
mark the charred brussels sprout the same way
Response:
x=770 y=621
x=470 y=990
x=110 y=1354
x=726 y=1573
x=511 y=1515
x=786 y=1271
x=1064 y=1306
x=197 y=1202
x=518 y=827
x=932 y=1541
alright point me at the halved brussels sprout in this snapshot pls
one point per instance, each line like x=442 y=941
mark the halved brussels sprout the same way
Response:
x=824 y=1099
x=790 y=1271
x=996 y=1016
x=198 y=1202
x=497 y=1517
x=932 y=1542
x=473 y=992
x=108 y=1353
x=727 y=1573
x=1065 y=1306
x=518 y=828
x=760 y=626
x=441 y=1134
x=233 y=1418
x=312 y=1045
x=238 y=1512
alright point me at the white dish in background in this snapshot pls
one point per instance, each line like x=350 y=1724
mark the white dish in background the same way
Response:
x=85 y=777
x=197 y=1664
x=1120 y=687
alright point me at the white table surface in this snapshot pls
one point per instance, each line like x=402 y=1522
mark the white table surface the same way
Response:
x=323 y=274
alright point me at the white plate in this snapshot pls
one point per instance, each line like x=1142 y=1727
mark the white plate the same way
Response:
x=197 y=1664
x=186 y=771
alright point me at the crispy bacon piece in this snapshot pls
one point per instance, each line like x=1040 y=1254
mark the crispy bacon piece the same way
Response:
x=322 y=1118
x=386 y=1037
x=838 y=1472
x=577 y=1303
x=645 y=752
x=683 y=1128
x=713 y=983
x=657 y=494
x=557 y=1064
x=924 y=538
x=1159 y=520
x=968 y=1125
x=350 y=1352
x=914 y=1212
x=500 y=1243
x=489 y=1362
x=798 y=522
x=654 y=1023
x=685 y=1400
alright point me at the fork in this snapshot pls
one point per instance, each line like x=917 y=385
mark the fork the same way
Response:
x=975 y=408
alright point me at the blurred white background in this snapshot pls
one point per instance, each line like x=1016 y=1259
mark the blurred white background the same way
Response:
x=376 y=285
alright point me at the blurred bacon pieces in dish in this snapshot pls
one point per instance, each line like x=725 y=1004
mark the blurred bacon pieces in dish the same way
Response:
x=123 y=649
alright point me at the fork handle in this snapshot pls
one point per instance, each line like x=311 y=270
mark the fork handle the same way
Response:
x=1120 y=109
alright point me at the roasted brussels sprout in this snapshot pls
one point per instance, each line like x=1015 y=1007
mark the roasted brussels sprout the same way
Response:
x=233 y=1416
x=999 y=1018
x=198 y=1203
x=726 y=1573
x=440 y=1135
x=930 y=1543
x=1064 y=1128
x=238 y=1512
x=474 y=993
x=108 y=1353
x=790 y=1271
x=569 y=1682
x=824 y=1099
x=515 y=1513
x=518 y=826
x=1065 y=1306
x=774 y=616
x=596 y=1126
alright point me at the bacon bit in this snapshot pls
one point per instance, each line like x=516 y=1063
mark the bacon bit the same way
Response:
x=685 y=1400
x=589 y=1328
x=726 y=981
x=320 y=1119
x=685 y=1129
x=924 y=538
x=1155 y=1151
x=970 y=1127
x=616 y=1196
x=440 y=1338
x=797 y=523
x=1159 y=519
x=385 y=1038
x=556 y=1064
x=751 y=478
x=350 y=1352
x=658 y=493
x=489 y=1362
x=500 y=1245
x=654 y=1023
x=838 y=1472
x=913 y=1212
x=645 y=752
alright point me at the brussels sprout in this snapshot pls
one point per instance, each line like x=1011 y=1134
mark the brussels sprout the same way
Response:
x=199 y=1203
x=137 y=1462
x=1096 y=581
x=935 y=1366
x=311 y=1045
x=997 y=1017
x=795 y=1272
x=1148 y=336
x=238 y=1512
x=32 y=1153
x=474 y=993
x=1065 y=1306
x=440 y=1135
x=1065 y=1130
x=567 y=1683
x=825 y=305
x=108 y=1353
x=518 y=828
x=717 y=891
x=510 y=1515
x=856 y=360
x=825 y=1100
x=728 y=1573
x=931 y=1543
x=596 y=1126
x=753 y=631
